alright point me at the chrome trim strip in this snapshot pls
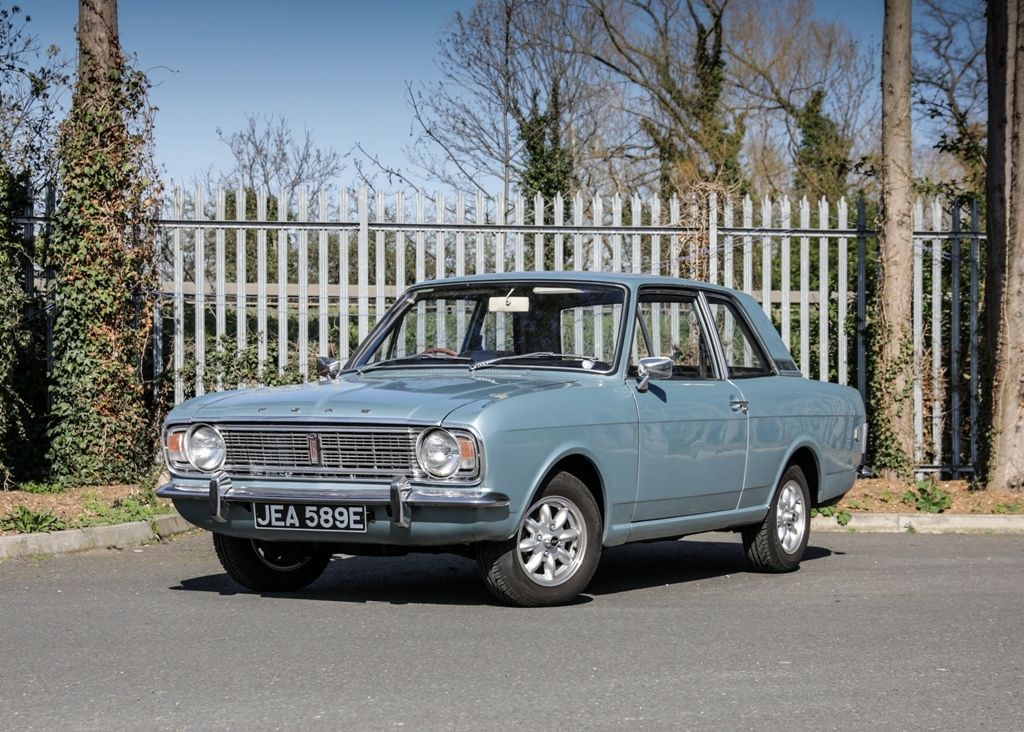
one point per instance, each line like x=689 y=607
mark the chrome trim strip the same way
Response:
x=284 y=422
x=245 y=470
x=439 y=498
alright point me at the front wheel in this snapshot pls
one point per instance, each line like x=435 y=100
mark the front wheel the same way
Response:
x=554 y=552
x=777 y=544
x=270 y=566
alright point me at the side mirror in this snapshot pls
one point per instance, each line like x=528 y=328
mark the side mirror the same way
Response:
x=654 y=367
x=328 y=367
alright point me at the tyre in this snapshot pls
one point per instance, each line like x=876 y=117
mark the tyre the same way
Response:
x=270 y=566
x=554 y=552
x=777 y=544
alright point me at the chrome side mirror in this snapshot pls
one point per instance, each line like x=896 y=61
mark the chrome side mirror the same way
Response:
x=654 y=367
x=327 y=367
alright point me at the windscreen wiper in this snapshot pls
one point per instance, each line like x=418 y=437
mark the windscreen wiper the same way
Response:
x=410 y=359
x=535 y=355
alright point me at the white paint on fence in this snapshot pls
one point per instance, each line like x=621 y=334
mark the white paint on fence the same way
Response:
x=418 y=237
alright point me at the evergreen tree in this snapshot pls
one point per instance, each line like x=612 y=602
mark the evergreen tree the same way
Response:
x=822 y=156
x=548 y=164
x=101 y=430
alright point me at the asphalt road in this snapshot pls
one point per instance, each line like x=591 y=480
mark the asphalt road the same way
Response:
x=875 y=631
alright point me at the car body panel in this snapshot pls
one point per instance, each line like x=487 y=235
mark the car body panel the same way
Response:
x=670 y=461
x=692 y=449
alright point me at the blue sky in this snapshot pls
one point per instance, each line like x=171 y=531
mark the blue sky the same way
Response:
x=336 y=67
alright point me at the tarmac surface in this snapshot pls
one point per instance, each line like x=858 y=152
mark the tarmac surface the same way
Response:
x=903 y=631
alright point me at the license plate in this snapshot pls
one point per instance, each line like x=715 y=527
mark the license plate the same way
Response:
x=309 y=517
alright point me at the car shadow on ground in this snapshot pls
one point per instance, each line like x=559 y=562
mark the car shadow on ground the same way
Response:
x=449 y=579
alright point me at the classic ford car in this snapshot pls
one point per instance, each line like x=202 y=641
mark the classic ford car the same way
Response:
x=529 y=419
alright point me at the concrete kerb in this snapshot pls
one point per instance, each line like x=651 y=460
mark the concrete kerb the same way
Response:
x=923 y=523
x=96 y=537
x=140 y=532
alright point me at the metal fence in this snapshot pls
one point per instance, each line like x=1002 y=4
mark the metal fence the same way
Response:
x=287 y=276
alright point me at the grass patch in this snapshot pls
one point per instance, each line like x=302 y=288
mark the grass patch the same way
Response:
x=928 y=498
x=1013 y=507
x=41 y=487
x=842 y=517
x=123 y=510
x=26 y=521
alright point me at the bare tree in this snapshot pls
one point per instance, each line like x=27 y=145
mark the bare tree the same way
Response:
x=1004 y=292
x=892 y=423
x=950 y=86
x=466 y=121
x=268 y=154
x=501 y=62
x=33 y=82
x=794 y=76
x=669 y=56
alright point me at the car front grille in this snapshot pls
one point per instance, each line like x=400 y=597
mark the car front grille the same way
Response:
x=317 y=451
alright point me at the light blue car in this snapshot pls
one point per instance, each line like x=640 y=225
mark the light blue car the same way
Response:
x=529 y=420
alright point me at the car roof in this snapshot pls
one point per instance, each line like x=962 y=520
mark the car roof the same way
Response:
x=629 y=279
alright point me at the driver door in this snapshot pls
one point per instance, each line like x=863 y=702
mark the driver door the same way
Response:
x=693 y=427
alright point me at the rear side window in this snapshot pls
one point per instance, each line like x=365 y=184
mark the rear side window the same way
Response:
x=743 y=354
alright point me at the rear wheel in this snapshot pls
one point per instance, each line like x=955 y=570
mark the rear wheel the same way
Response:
x=270 y=566
x=554 y=552
x=777 y=544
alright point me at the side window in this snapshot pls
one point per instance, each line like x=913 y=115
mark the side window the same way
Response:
x=743 y=355
x=675 y=332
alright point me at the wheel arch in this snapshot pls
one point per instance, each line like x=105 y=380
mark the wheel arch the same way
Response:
x=585 y=469
x=805 y=457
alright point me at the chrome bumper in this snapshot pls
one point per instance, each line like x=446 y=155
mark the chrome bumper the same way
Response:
x=399 y=496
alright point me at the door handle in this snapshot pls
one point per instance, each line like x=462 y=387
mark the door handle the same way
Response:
x=739 y=405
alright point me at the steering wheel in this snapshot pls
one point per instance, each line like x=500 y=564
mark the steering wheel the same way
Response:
x=441 y=349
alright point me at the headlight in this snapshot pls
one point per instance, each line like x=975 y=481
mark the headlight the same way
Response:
x=205 y=448
x=441 y=454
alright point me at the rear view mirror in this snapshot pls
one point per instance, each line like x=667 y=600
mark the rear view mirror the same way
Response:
x=508 y=304
x=654 y=367
x=328 y=367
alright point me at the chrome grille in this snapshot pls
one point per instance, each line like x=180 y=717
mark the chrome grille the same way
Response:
x=337 y=452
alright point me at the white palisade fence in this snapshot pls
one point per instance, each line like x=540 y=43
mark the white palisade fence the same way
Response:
x=289 y=275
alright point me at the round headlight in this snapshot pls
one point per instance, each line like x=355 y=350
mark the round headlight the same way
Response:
x=438 y=453
x=205 y=448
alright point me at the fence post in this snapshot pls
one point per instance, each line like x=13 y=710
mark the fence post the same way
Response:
x=283 y=198
x=261 y=283
x=158 y=339
x=712 y=237
x=975 y=224
x=785 y=267
x=221 y=277
x=51 y=314
x=843 y=287
x=824 y=291
x=28 y=265
x=199 y=245
x=179 y=299
x=937 y=391
x=241 y=276
x=362 y=264
x=805 y=288
x=918 y=330
x=954 y=341
x=862 y=299
x=766 y=257
x=303 y=276
x=344 y=272
x=323 y=302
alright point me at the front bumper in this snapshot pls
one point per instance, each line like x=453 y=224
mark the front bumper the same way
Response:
x=399 y=497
